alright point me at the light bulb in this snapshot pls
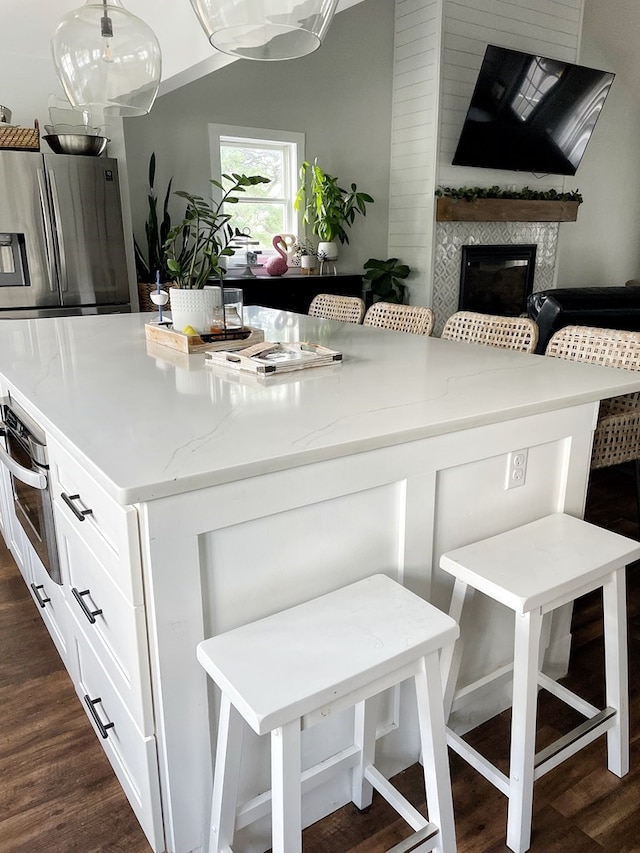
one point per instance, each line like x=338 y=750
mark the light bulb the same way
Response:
x=106 y=31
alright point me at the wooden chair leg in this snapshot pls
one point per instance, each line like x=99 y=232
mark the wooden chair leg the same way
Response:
x=637 y=465
x=226 y=777
x=286 y=794
x=614 y=602
x=523 y=729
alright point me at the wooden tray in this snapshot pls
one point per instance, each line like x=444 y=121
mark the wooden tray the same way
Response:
x=197 y=343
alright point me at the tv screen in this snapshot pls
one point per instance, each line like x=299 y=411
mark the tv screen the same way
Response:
x=531 y=114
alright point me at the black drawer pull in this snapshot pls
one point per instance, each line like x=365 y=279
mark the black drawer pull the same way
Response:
x=41 y=601
x=79 y=513
x=102 y=728
x=90 y=614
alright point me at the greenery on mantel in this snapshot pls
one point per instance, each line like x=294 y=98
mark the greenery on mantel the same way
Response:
x=527 y=194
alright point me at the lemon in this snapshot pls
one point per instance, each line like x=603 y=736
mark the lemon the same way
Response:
x=189 y=330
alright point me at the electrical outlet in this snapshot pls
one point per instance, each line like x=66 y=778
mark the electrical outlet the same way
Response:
x=516 y=469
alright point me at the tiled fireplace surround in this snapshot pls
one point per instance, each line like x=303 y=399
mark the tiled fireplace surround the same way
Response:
x=451 y=236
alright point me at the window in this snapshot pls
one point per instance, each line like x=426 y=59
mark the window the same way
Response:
x=266 y=209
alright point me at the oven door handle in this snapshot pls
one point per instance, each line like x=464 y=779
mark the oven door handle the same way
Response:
x=36 y=479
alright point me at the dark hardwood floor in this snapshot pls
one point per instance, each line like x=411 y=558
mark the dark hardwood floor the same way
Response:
x=58 y=793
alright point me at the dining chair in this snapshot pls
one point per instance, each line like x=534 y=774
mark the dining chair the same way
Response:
x=348 y=309
x=494 y=330
x=414 y=319
x=617 y=435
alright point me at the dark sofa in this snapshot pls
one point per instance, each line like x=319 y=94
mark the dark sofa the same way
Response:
x=609 y=307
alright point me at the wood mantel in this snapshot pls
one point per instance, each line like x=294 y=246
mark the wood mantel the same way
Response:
x=505 y=210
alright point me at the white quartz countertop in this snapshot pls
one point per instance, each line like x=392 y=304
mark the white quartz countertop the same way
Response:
x=150 y=422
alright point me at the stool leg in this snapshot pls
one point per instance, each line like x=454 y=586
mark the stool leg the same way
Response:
x=225 y=778
x=286 y=792
x=523 y=729
x=451 y=655
x=435 y=758
x=614 y=602
x=365 y=723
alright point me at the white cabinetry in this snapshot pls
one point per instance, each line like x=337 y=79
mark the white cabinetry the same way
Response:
x=108 y=650
x=49 y=597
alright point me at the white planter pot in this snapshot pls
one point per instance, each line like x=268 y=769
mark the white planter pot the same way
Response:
x=308 y=262
x=327 y=251
x=192 y=308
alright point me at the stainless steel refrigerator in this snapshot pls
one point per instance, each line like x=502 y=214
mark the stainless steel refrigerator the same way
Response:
x=62 y=248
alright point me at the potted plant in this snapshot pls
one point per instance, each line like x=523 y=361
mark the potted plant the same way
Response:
x=328 y=208
x=156 y=228
x=385 y=278
x=195 y=246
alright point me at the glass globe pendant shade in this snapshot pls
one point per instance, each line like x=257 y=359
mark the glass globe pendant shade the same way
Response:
x=107 y=58
x=265 y=29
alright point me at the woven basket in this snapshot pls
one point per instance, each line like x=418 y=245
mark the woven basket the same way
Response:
x=20 y=138
x=144 y=296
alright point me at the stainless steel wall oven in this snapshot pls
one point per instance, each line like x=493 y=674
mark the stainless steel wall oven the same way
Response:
x=26 y=459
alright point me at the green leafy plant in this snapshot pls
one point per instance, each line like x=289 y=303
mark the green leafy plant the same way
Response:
x=196 y=245
x=473 y=193
x=386 y=279
x=327 y=207
x=156 y=229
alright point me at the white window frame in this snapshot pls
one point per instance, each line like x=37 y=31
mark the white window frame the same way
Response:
x=223 y=132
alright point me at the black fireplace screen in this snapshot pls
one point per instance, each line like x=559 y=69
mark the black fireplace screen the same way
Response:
x=497 y=279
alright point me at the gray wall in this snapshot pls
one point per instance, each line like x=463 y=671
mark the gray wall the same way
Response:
x=340 y=97
x=603 y=246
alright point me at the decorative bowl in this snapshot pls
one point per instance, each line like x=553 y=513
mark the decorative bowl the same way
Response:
x=76 y=143
x=85 y=129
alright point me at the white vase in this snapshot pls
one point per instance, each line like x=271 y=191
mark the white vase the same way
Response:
x=191 y=308
x=327 y=255
x=328 y=250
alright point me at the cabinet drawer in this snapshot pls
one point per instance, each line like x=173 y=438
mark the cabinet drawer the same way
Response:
x=49 y=597
x=110 y=530
x=132 y=755
x=112 y=625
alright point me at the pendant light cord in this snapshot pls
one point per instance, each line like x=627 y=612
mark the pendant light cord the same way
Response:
x=106 y=25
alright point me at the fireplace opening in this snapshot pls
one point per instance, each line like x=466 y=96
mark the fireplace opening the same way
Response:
x=497 y=279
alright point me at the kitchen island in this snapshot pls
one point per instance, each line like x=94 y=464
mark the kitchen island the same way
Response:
x=210 y=498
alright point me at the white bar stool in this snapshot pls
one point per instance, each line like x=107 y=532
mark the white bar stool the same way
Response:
x=534 y=569
x=291 y=670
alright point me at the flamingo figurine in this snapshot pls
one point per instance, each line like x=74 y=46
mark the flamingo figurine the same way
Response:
x=277 y=265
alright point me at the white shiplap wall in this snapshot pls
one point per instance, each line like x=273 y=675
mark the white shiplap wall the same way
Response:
x=439 y=45
x=414 y=133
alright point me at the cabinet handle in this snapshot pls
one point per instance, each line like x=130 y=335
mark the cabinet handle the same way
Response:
x=91 y=705
x=41 y=601
x=79 y=513
x=90 y=614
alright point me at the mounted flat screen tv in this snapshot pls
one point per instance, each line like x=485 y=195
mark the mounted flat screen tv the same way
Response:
x=531 y=114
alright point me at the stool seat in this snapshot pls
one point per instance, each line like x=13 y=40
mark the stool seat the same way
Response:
x=534 y=569
x=297 y=668
x=292 y=663
x=541 y=562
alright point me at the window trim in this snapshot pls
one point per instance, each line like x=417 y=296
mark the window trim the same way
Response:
x=257 y=135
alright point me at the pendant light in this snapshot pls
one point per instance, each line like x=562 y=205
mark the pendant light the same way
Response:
x=107 y=58
x=265 y=29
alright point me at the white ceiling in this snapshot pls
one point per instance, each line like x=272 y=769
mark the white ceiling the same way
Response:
x=27 y=28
